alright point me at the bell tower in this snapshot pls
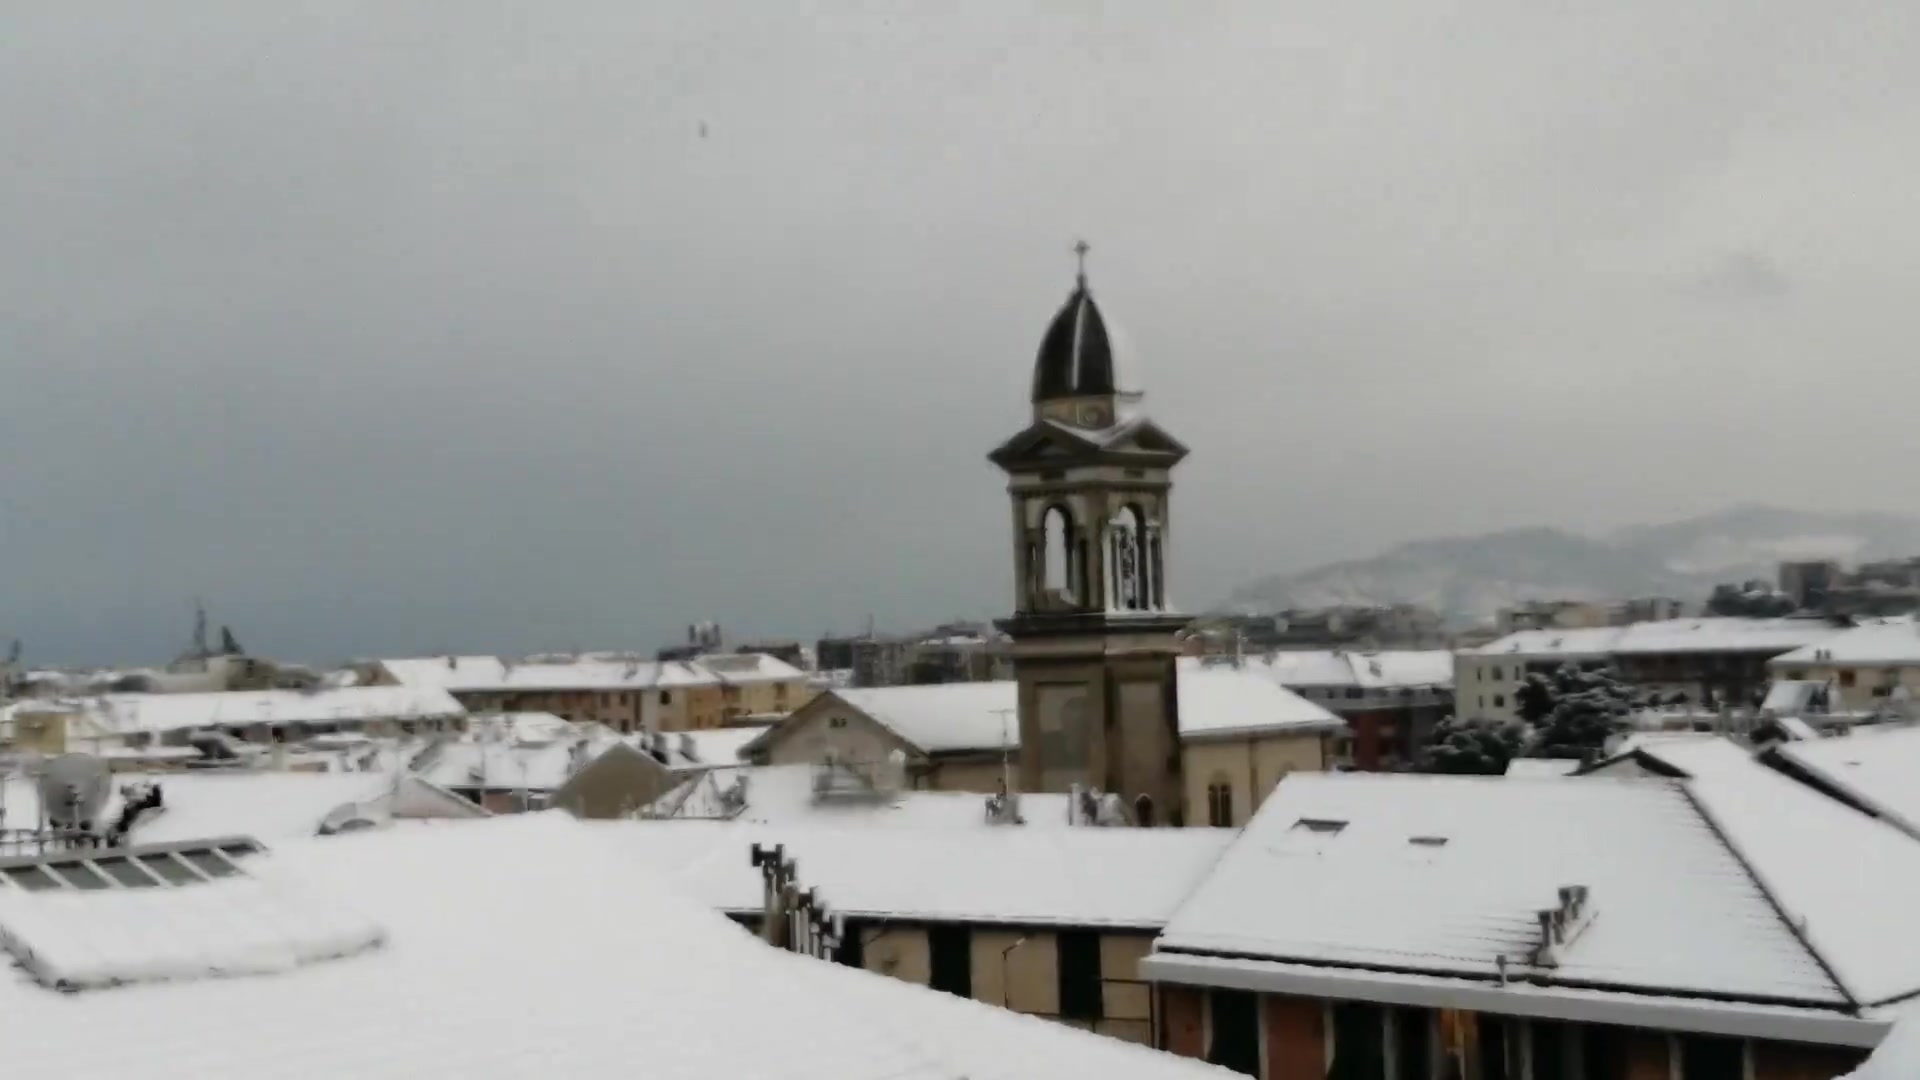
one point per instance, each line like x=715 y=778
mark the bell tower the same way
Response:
x=1093 y=628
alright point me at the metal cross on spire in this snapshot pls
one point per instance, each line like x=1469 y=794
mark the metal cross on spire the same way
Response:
x=1080 y=249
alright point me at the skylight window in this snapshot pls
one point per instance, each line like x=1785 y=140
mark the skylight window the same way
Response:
x=1427 y=841
x=145 y=867
x=1321 y=826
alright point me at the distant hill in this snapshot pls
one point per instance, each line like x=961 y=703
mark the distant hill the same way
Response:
x=1468 y=578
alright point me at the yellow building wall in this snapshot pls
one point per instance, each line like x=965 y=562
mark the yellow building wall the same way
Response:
x=1127 y=1000
x=1016 y=970
x=1249 y=766
x=981 y=776
x=1860 y=696
x=831 y=725
x=898 y=951
x=705 y=706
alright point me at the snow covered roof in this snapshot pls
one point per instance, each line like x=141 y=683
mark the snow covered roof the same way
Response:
x=1084 y=876
x=494 y=968
x=1446 y=876
x=1217 y=702
x=1849 y=883
x=145 y=913
x=1894 y=643
x=975 y=716
x=1702 y=635
x=1875 y=766
x=589 y=671
x=784 y=795
x=945 y=717
x=1383 y=670
x=1580 y=643
x=1541 y=768
x=121 y=714
x=267 y=805
x=1721 y=635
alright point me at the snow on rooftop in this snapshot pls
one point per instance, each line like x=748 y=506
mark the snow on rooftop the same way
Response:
x=1086 y=876
x=589 y=671
x=976 y=716
x=494 y=967
x=947 y=716
x=1892 y=644
x=1541 y=768
x=1445 y=875
x=251 y=921
x=1701 y=635
x=1876 y=766
x=784 y=795
x=1848 y=881
x=1385 y=669
x=121 y=714
x=268 y=805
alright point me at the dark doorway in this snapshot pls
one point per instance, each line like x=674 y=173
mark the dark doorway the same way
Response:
x=950 y=959
x=1079 y=967
x=1236 y=1031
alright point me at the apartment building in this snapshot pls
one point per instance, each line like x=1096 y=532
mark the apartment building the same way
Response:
x=625 y=692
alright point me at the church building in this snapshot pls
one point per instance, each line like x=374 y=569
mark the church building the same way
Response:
x=1095 y=634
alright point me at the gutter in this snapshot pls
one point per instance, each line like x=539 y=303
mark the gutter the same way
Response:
x=1526 y=1000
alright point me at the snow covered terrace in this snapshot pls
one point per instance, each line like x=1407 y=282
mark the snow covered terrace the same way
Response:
x=1737 y=902
x=465 y=949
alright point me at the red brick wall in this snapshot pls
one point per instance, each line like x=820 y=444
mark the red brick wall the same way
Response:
x=1182 y=1021
x=1798 y=1061
x=1296 y=1038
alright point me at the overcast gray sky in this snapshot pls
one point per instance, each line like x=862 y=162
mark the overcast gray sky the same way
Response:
x=414 y=327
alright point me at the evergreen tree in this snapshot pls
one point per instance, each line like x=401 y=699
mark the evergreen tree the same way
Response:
x=1573 y=713
x=1470 y=747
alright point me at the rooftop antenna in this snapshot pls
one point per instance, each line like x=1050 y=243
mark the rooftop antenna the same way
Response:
x=199 y=627
x=1006 y=760
x=1080 y=249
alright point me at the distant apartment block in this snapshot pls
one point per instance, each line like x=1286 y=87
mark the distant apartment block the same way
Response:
x=625 y=692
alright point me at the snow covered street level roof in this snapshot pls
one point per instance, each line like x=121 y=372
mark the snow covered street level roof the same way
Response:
x=493 y=967
x=1686 y=636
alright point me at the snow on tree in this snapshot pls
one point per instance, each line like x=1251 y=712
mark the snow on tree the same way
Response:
x=1573 y=713
x=1471 y=747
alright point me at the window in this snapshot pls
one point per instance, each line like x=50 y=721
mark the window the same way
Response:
x=1499 y=701
x=1235 y=1030
x=1078 y=961
x=1796 y=676
x=1708 y=1057
x=1323 y=826
x=950 y=959
x=1220 y=802
x=1551 y=1047
x=837 y=722
x=1492 y=1037
x=1353 y=692
x=1413 y=1043
x=1882 y=691
x=1603 y=1050
x=1359 y=1050
x=1846 y=678
x=1498 y=674
x=666 y=697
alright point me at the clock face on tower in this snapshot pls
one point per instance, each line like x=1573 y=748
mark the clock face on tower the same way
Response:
x=1092 y=416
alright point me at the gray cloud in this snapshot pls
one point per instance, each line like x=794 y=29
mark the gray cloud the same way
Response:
x=442 y=326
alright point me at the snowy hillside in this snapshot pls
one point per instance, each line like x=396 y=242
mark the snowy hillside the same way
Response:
x=1469 y=578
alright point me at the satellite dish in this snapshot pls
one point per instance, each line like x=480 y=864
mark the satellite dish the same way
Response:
x=73 y=790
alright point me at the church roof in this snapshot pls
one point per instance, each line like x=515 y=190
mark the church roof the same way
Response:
x=1079 y=356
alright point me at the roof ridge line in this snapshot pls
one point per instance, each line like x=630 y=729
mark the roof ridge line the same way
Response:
x=1774 y=901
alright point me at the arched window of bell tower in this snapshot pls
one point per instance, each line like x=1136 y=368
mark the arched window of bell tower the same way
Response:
x=1057 y=569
